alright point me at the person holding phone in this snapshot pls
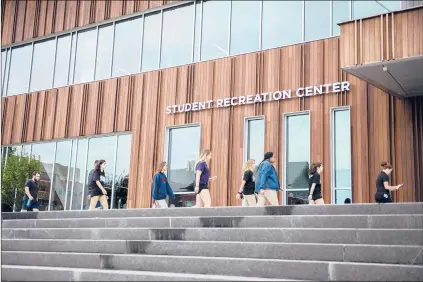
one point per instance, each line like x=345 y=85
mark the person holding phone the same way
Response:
x=383 y=189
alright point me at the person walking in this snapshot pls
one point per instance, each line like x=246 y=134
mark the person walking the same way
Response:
x=30 y=199
x=383 y=189
x=314 y=185
x=98 y=193
x=247 y=188
x=267 y=183
x=161 y=187
x=202 y=179
x=98 y=205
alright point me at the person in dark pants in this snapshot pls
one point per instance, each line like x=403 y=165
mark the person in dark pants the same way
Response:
x=29 y=202
x=315 y=185
x=383 y=189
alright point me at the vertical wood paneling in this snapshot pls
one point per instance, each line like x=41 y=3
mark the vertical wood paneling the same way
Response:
x=31 y=7
x=8 y=120
x=100 y=8
x=8 y=22
x=41 y=107
x=222 y=118
x=32 y=117
x=183 y=86
x=42 y=17
x=51 y=10
x=75 y=110
x=61 y=114
x=71 y=13
x=155 y=4
x=108 y=106
x=122 y=103
x=116 y=9
x=129 y=7
x=20 y=21
x=92 y=108
x=49 y=115
x=60 y=14
x=84 y=12
x=18 y=119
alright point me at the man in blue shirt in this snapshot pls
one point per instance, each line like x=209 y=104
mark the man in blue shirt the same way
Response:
x=30 y=200
x=267 y=183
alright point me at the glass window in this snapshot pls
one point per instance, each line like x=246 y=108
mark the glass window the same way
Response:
x=390 y=5
x=3 y=64
x=177 y=37
x=255 y=140
x=127 y=50
x=362 y=9
x=85 y=56
x=122 y=171
x=101 y=148
x=5 y=58
x=183 y=151
x=44 y=153
x=70 y=176
x=72 y=58
x=341 y=195
x=297 y=136
x=62 y=61
x=19 y=70
x=104 y=52
x=151 y=42
x=282 y=23
x=245 y=27
x=197 y=31
x=78 y=174
x=42 y=65
x=341 y=170
x=340 y=13
x=317 y=20
x=60 y=178
x=215 y=30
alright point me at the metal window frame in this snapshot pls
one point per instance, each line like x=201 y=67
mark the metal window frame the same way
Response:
x=247 y=133
x=333 y=189
x=52 y=177
x=142 y=45
x=303 y=21
x=6 y=71
x=114 y=172
x=67 y=176
x=261 y=27
x=166 y=155
x=230 y=28
x=284 y=147
x=74 y=172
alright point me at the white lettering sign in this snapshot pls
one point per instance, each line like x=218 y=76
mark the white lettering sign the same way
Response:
x=335 y=87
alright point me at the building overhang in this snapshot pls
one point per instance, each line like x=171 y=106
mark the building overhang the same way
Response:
x=402 y=78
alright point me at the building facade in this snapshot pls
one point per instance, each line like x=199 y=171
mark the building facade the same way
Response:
x=139 y=82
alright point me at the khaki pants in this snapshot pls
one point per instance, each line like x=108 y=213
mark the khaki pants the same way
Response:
x=103 y=202
x=160 y=204
x=203 y=199
x=270 y=195
x=249 y=201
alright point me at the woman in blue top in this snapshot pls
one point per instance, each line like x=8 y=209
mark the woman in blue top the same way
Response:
x=267 y=182
x=202 y=179
x=161 y=187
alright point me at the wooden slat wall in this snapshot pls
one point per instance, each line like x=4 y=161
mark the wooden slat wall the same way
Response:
x=381 y=38
x=28 y=19
x=382 y=127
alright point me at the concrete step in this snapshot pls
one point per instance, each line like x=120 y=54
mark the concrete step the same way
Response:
x=412 y=255
x=282 y=235
x=266 y=268
x=40 y=273
x=358 y=209
x=407 y=221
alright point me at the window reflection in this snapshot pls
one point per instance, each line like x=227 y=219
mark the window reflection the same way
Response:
x=317 y=20
x=62 y=61
x=85 y=56
x=255 y=140
x=42 y=65
x=215 y=30
x=78 y=174
x=245 y=26
x=100 y=148
x=151 y=44
x=177 y=37
x=122 y=171
x=340 y=13
x=342 y=143
x=297 y=152
x=183 y=152
x=19 y=70
x=72 y=58
x=3 y=66
x=362 y=9
x=61 y=168
x=104 y=52
x=197 y=33
x=44 y=153
x=282 y=23
x=127 y=50
x=341 y=195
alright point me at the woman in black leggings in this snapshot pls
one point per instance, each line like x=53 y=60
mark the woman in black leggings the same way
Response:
x=383 y=188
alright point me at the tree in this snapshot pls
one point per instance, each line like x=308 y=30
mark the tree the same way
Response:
x=14 y=174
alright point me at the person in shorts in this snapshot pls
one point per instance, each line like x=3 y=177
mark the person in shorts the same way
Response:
x=247 y=190
x=202 y=179
x=30 y=199
x=315 y=185
x=383 y=189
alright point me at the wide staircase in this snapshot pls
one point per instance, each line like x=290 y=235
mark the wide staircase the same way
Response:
x=334 y=242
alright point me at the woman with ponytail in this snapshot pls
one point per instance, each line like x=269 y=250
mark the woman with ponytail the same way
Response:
x=202 y=179
x=383 y=188
x=246 y=191
x=314 y=184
